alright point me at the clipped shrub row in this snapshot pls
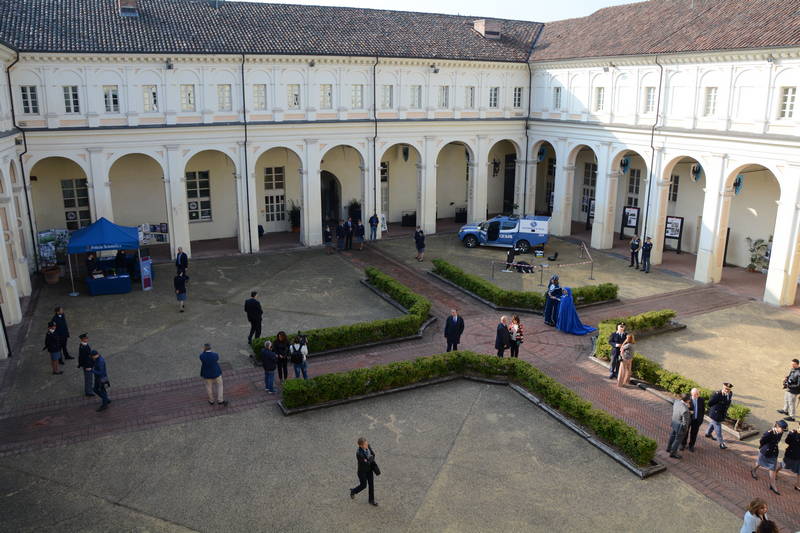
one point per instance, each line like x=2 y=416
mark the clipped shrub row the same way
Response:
x=519 y=299
x=329 y=387
x=323 y=339
x=650 y=371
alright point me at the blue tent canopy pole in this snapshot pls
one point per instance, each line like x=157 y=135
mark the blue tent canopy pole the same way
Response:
x=71 y=278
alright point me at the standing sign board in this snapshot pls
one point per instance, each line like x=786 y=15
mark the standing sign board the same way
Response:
x=590 y=214
x=674 y=230
x=146 y=269
x=630 y=219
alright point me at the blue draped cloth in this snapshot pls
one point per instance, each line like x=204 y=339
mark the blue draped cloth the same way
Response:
x=568 y=320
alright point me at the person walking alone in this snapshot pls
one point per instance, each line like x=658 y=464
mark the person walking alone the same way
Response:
x=625 y=361
x=636 y=243
x=62 y=331
x=298 y=353
x=516 y=335
x=453 y=328
x=252 y=308
x=768 y=453
x=180 y=289
x=101 y=381
x=86 y=364
x=680 y=422
x=181 y=261
x=791 y=383
x=53 y=348
x=211 y=372
x=270 y=362
x=373 y=226
x=502 y=339
x=718 y=409
x=419 y=243
x=647 y=247
x=698 y=412
x=367 y=469
x=281 y=349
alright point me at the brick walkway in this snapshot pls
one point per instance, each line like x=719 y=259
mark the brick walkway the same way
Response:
x=721 y=475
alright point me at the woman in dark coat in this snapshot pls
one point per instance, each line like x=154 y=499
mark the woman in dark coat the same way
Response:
x=768 y=453
x=791 y=457
x=281 y=349
x=180 y=288
x=419 y=242
x=367 y=468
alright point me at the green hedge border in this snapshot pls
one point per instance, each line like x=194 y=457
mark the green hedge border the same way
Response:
x=338 y=386
x=518 y=299
x=320 y=340
x=648 y=370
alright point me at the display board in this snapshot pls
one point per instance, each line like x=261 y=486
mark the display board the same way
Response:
x=630 y=219
x=674 y=230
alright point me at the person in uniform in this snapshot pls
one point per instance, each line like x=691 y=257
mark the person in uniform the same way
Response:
x=647 y=247
x=86 y=363
x=552 y=301
x=100 y=379
x=717 y=411
x=636 y=243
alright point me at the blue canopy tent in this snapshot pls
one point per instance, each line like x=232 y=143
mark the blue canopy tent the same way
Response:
x=101 y=235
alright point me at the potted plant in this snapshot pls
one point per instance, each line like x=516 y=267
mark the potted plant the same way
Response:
x=759 y=254
x=354 y=210
x=294 y=217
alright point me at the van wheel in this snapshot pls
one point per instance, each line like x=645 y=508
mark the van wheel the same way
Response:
x=470 y=241
x=524 y=246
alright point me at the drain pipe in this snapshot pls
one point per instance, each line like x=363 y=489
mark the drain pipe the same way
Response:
x=527 y=119
x=244 y=173
x=374 y=138
x=21 y=166
x=652 y=145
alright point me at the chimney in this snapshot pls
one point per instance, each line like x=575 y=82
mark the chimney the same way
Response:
x=489 y=29
x=128 y=8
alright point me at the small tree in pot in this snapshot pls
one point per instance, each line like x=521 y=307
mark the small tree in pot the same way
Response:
x=354 y=210
x=294 y=216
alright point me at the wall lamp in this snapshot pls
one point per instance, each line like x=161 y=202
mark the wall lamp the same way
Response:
x=434 y=68
x=770 y=58
x=495 y=167
x=312 y=63
x=169 y=65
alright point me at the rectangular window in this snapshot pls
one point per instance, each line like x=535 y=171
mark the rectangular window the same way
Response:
x=293 y=95
x=469 y=97
x=517 y=97
x=260 y=97
x=551 y=167
x=150 y=97
x=634 y=183
x=649 y=104
x=556 y=98
x=384 y=171
x=494 y=97
x=357 y=97
x=710 y=102
x=589 y=184
x=198 y=195
x=387 y=97
x=275 y=199
x=274 y=178
x=224 y=102
x=599 y=98
x=75 y=194
x=111 y=98
x=326 y=96
x=71 y=102
x=30 y=100
x=788 y=97
x=187 y=98
x=444 y=97
x=673 y=187
x=415 y=97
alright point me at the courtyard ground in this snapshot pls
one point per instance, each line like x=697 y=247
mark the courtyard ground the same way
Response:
x=458 y=457
x=146 y=340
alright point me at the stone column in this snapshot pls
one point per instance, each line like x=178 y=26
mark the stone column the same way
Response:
x=654 y=212
x=716 y=207
x=175 y=191
x=100 y=186
x=426 y=218
x=15 y=225
x=9 y=296
x=311 y=201
x=248 y=203
x=561 y=220
x=479 y=182
x=605 y=200
x=784 y=263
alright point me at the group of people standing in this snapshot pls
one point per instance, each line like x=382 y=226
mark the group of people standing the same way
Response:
x=509 y=335
x=346 y=232
x=637 y=246
x=90 y=362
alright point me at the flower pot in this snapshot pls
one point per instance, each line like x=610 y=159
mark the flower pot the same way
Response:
x=51 y=274
x=295 y=229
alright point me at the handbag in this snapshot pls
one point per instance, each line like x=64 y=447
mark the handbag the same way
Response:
x=376 y=469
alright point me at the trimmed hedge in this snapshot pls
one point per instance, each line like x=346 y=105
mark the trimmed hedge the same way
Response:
x=319 y=340
x=519 y=299
x=650 y=371
x=329 y=387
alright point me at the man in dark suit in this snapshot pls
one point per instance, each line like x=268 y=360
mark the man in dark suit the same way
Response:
x=503 y=339
x=698 y=408
x=453 y=328
x=254 y=313
x=85 y=363
x=717 y=411
x=53 y=348
x=60 y=320
x=616 y=340
x=181 y=261
x=348 y=234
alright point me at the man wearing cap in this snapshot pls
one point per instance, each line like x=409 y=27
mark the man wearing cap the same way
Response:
x=100 y=379
x=86 y=363
x=647 y=247
x=791 y=383
x=53 y=347
x=211 y=372
x=680 y=423
x=717 y=411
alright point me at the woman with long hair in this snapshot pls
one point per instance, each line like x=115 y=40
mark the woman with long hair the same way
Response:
x=626 y=360
x=516 y=334
x=281 y=349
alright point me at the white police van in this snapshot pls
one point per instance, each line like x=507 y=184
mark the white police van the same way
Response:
x=522 y=233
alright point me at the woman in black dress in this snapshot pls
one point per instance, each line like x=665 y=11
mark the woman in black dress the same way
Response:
x=281 y=349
